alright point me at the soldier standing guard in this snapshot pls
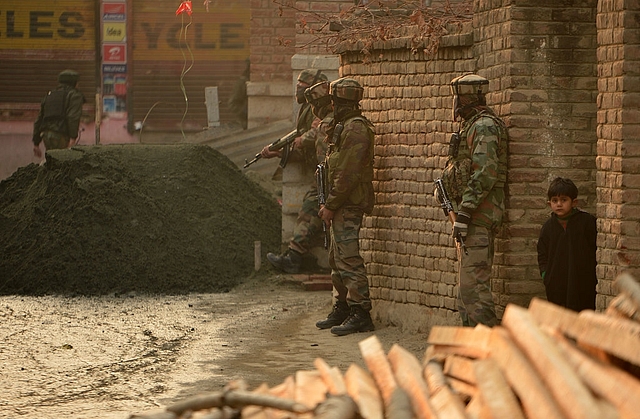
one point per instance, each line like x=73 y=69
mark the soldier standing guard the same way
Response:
x=475 y=176
x=349 y=196
x=307 y=222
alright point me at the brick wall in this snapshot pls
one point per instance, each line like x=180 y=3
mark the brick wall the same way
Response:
x=618 y=132
x=540 y=58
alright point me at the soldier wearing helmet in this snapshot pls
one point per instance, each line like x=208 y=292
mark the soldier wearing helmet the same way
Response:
x=475 y=175
x=310 y=148
x=60 y=111
x=350 y=195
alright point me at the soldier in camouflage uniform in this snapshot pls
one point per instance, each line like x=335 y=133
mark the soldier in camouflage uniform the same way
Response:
x=60 y=111
x=475 y=177
x=349 y=167
x=310 y=148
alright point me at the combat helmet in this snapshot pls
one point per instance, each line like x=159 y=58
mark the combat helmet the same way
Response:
x=346 y=89
x=469 y=87
x=318 y=94
x=468 y=84
x=69 y=77
x=311 y=76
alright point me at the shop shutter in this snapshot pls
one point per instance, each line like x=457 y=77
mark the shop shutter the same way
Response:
x=39 y=39
x=169 y=76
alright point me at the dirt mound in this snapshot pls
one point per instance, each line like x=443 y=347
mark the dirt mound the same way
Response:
x=120 y=218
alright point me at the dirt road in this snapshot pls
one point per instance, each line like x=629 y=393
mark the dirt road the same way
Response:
x=108 y=357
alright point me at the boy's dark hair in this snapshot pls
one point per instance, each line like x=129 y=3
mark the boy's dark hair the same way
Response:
x=562 y=186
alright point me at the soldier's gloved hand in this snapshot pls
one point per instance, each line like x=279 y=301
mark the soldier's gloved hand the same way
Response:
x=461 y=225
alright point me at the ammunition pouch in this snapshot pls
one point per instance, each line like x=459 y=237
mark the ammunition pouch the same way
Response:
x=454 y=144
x=455 y=177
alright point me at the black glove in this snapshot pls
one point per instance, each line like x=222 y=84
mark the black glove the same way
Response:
x=461 y=226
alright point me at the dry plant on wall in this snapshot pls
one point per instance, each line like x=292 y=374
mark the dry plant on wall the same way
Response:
x=366 y=22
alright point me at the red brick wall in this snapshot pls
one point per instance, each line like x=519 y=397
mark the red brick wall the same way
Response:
x=618 y=131
x=540 y=58
x=272 y=41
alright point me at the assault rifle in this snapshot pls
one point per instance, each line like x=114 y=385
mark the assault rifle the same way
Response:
x=322 y=199
x=279 y=144
x=447 y=208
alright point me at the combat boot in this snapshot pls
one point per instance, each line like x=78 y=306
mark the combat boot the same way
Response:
x=288 y=262
x=339 y=314
x=359 y=320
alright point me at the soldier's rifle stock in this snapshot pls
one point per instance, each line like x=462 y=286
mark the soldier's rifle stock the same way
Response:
x=447 y=208
x=322 y=198
x=278 y=144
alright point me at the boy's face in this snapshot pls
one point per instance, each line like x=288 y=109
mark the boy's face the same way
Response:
x=562 y=205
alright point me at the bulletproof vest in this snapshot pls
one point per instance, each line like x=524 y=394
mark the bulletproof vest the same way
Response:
x=55 y=111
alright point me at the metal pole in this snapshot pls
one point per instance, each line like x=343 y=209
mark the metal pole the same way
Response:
x=98 y=58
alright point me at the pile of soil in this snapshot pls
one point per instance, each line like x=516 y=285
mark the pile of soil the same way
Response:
x=168 y=219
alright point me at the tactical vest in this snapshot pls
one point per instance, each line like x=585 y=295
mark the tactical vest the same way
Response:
x=457 y=171
x=361 y=195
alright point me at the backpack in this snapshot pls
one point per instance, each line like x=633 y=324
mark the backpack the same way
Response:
x=54 y=111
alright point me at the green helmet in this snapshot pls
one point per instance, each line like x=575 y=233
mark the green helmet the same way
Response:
x=317 y=91
x=311 y=76
x=346 y=89
x=69 y=77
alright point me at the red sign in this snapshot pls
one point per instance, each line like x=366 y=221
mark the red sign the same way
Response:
x=114 y=8
x=114 y=53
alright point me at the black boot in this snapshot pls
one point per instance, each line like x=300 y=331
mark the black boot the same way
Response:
x=288 y=262
x=339 y=314
x=358 y=321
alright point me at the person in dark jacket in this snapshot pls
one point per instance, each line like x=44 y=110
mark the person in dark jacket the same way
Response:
x=567 y=249
x=60 y=111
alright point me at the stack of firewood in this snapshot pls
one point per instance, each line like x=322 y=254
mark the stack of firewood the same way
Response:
x=544 y=362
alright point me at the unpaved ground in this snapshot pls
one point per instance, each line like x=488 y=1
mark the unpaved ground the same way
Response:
x=111 y=356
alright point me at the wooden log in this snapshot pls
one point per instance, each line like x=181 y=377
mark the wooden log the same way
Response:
x=476 y=409
x=337 y=407
x=310 y=390
x=363 y=390
x=473 y=342
x=573 y=397
x=444 y=351
x=462 y=389
x=495 y=390
x=537 y=401
x=379 y=367
x=260 y=412
x=610 y=383
x=553 y=315
x=604 y=335
x=629 y=286
x=617 y=336
x=622 y=306
x=155 y=415
x=332 y=377
x=445 y=403
x=284 y=390
x=460 y=367
x=407 y=371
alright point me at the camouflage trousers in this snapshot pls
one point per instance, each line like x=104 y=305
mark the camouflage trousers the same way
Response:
x=308 y=224
x=475 y=302
x=348 y=274
x=54 y=140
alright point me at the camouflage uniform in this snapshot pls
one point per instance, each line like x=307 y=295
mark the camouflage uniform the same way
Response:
x=311 y=152
x=308 y=224
x=58 y=123
x=350 y=195
x=483 y=141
